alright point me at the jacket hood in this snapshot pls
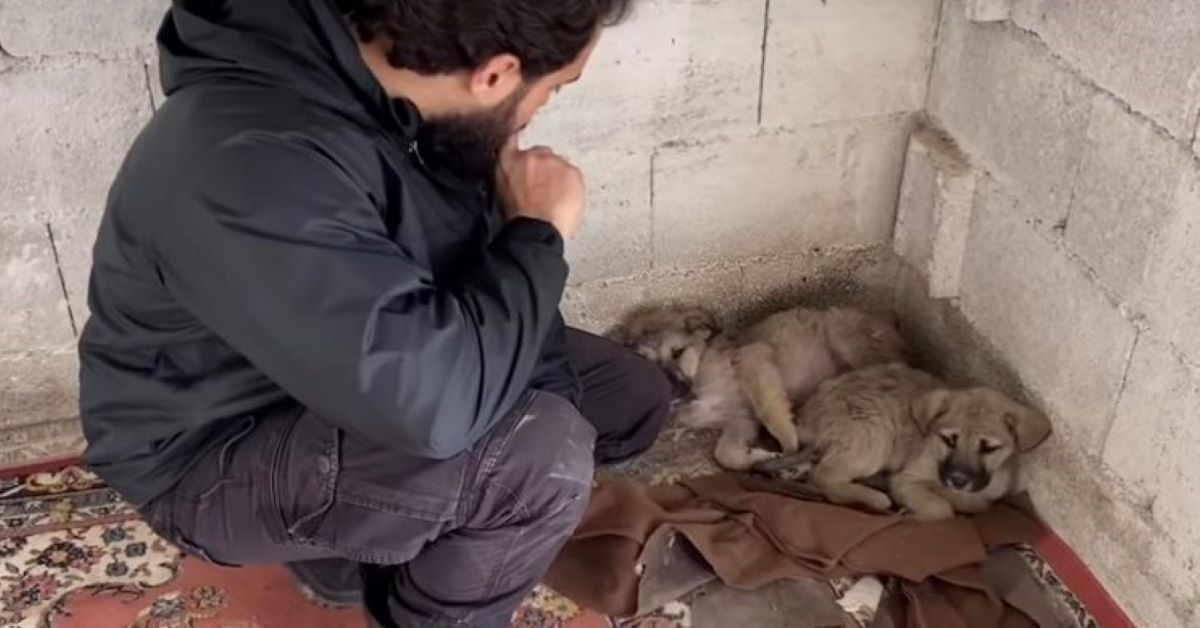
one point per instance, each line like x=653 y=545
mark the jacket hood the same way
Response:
x=298 y=45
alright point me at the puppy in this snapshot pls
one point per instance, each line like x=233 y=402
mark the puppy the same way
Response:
x=942 y=450
x=739 y=381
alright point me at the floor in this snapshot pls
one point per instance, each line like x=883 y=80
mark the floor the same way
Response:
x=72 y=554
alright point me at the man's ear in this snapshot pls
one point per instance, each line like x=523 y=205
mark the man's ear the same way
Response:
x=497 y=79
x=931 y=406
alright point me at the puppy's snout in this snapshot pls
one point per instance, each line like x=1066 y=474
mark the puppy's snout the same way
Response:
x=962 y=478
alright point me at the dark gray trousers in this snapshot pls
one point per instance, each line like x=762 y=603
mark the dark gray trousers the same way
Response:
x=458 y=542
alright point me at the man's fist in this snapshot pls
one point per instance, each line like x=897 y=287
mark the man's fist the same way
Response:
x=537 y=183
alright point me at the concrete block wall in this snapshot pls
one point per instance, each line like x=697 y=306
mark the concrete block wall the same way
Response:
x=739 y=152
x=1081 y=271
x=74 y=91
x=735 y=147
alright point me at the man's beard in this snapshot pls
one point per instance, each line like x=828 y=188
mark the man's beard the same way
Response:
x=468 y=144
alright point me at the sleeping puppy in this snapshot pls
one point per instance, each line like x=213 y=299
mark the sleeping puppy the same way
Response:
x=739 y=381
x=942 y=450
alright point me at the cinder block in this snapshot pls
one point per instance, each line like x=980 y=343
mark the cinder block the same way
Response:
x=614 y=240
x=1126 y=188
x=1045 y=316
x=1171 y=292
x=989 y=10
x=1154 y=440
x=778 y=193
x=37 y=387
x=34 y=315
x=1146 y=52
x=66 y=130
x=934 y=212
x=847 y=59
x=30 y=29
x=37 y=443
x=679 y=69
x=944 y=341
x=74 y=236
x=1012 y=108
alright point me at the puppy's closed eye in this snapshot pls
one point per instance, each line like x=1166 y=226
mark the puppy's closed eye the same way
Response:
x=986 y=448
x=949 y=438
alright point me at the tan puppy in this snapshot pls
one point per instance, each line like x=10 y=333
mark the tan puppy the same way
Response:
x=943 y=450
x=737 y=382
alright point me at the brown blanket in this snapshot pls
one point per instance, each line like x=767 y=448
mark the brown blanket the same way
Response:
x=754 y=532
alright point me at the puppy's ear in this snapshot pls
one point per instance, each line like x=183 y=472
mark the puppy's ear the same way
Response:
x=930 y=407
x=700 y=323
x=1029 y=427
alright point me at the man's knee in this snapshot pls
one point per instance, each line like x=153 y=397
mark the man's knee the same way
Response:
x=542 y=470
x=644 y=403
x=648 y=385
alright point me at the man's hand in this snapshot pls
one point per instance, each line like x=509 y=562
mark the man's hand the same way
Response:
x=537 y=183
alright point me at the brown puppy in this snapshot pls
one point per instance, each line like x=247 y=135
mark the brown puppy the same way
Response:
x=943 y=450
x=737 y=382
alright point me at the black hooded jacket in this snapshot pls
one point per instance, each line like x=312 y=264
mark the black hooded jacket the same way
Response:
x=273 y=237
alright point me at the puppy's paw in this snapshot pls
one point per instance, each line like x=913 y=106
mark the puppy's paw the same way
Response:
x=758 y=456
x=789 y=440
x=877 y=501
x=932 y=510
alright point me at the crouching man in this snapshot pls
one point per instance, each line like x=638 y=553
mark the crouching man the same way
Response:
x=325 y=296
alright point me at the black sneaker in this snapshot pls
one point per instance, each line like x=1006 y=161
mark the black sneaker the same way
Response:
x=332 y=583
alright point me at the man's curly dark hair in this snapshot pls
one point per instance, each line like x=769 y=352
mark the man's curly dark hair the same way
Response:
x=443 y=36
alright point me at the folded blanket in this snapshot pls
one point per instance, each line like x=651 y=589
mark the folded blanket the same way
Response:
x=753 y=532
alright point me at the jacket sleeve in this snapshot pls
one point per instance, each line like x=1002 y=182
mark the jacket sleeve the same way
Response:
x=273 y=247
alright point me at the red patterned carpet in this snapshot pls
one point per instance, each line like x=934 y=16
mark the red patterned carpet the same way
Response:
x=74 y=555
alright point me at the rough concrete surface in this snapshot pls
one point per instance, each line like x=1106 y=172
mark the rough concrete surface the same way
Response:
x=829 y=185
x=1146 y=52
x=1125 y=190
x=66 y=129
x=678 y=69
x=846 y=59
x=988 y=10
x=1153 y=446
x=1050 y=321
x=26 y=444
x=742 y=291
x=34 y=314
x=934 y=212
x=945 y=342
x=1171 y=294
x=74 y=235
x=614 y=239
x=1003 y=98
x=37 y=28
x=37 y=387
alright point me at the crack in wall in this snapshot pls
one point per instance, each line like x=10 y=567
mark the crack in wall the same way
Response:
x=62 y=279
x=762 y=63
x=1112 y=413
x=653 y=212
x=149 y=85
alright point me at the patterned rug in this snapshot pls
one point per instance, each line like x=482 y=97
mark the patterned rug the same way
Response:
x=74 y=555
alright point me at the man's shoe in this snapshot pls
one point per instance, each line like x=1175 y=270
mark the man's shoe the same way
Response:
x=331 y=583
